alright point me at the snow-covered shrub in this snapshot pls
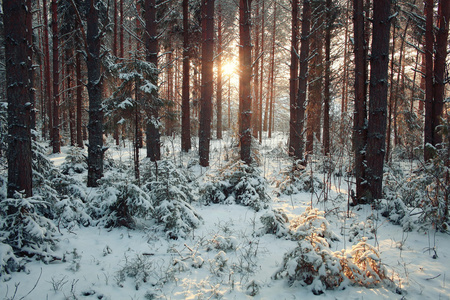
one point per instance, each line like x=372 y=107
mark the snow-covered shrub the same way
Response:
x=362 y=265
x=312 y=264
x=118 y=203
x=240 y=184
x=298 y=180
x=312 y=222
x=171 y=196
x=223 y=243
x=360 y=230
x=274 y=222
x=25 y=229
x=71 y=211
x=75 y=162
x=397 y=212
x=8 y=261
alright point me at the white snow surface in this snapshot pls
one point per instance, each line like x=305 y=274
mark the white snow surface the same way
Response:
x=193 y=268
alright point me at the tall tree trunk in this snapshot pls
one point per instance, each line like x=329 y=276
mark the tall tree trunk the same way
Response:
x=314 y=105
x=302 y=79
x=185 y=107
x=245 y=97
x=391 y=98
x=439 y=69
x=48 y=80
x=69 y=94
x=219 y=73
x=327 y=96
x=29 y=24
x=121 y=49
x=18 y=94
x=429 y=127
x=271 y=72
x=260 y=108
x=256 y=53
x=56 y=141
x=293 y=81
x=151 y=43
x=94 y=86
x=79 y=102
x=360 y=115
x=207 y=81
x=379 y=63
x=116 y=126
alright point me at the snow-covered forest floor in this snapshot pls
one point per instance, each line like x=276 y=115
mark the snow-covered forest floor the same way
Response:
x=237 y=251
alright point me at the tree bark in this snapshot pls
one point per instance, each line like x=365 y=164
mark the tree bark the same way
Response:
x=151 y=43
x=56 y=140
x=429 y=125
x=376 y=135
x=439 y=69
x=47 y=76
x=219 y=73
x=245 y=63
x=18 y=95
x=293 y=81
x=327 y=95
x=94 y=86
x=207 y=81
x=360 y=114
x=302 y=80
x=79 y=102
x=185 y=107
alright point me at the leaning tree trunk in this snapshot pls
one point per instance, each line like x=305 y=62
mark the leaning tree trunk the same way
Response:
x=207 y=80
x=376 y=135
x=94 y=86
x=18 y=95
x=245 y=98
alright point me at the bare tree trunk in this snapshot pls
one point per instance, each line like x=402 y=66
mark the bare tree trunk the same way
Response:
x=47 y=76
x=391 y=98
x=219 y=74
x=151 y=43
x=379 y=63
x=260 y=108
x=56 y=141
x=293 y=81
x=439 y=69
x=256 y=79
x=185 y=107
x=94 y=86
x=245 y=97
x=207 y=81
x=303 y=80
x=429 y=48
x=327 y=96
x=69 y=95
x=271 y=73
x=18 y=95
x=29 y=24
x=79 y=102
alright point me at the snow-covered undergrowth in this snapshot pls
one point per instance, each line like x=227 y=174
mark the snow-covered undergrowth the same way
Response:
x=224 y=232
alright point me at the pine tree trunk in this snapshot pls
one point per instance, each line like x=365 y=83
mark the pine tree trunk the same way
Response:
x=260 y=108
x=440 y=68
x=245 y=98
x=18 y=95
x=256 y=52
x=429 y=126
x=379 y=63
x=327 y=85
x=151 y=44
x=94 y=86
x=360 y=115
x=302 y=80
x=56 y=141
x=207 y=81
x=47 y=76
x=219 y=74
x=69 y=95
x=185 y=107
x=79 y=102
x=293 y=81
x=29 y=25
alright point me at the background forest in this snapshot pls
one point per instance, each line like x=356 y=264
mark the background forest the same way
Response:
x=182 y=117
